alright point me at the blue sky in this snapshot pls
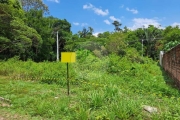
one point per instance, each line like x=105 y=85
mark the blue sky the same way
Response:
x=99 y=14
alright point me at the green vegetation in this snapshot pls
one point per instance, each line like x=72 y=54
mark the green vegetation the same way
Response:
x=100 y=88
x=110 y=80
x=29 y=31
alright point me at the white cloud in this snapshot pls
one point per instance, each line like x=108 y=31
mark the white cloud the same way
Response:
x=84 y=24
x=96 y=33
x=101 y=12
x=134 y=11
x=175 y=24
x=114 y=19
x=76 y=23
x=107 y=22
x=89 y=6
x=56 y=1
x=140 y=22
x=98 y=11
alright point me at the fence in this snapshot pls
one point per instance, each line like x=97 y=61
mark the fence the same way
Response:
x=171 y=64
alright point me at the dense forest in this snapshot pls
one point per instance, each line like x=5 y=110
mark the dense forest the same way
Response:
x=29 y=31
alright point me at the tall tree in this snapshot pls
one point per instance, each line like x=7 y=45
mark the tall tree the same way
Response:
x=63 y=27
x=14 y=3
x=133 y=40
x=86 y=33
x=117 y=25
x=48 y=27
x=171 y=34
x=15 y=37
x=25 y=39
x=126 y=29
x=7 y=14
x=104 y=34
x=152 y=34
x=171 y=37
x=116 y=43
x=34 y=4
x=149 y=36
x=91 y=30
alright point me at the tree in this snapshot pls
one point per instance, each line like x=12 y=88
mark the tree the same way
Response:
x=149 y=36
x=48 y=27
x=16 y=38
x=91 y=30
x=7 y=14
x=152 y=34
x=24 y=38
x=64 y=32
x=34 y=4
x=132 y=40
x=15 y=3
x=86 y=33
x=171 y=37
x=125 y=29
x=116 y=43
x=104 y=34
x=117 y=25
x=171 y=34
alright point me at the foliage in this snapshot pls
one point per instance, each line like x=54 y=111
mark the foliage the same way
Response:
x=13 y=3
x=43 y=25
x=91 y=43
x=104 y=34
x=86 y=33
x=41 y=43
x=22 y=32
x=115 y=66
x=48 y=27
x=171 y=34
x=21 y=37
x=116 y=44
x=95 y=93
x=34 y=4
x=170 y=45
x=133 y=41
x=117 y=25
x=145 y=40
x=110 y=79
x=29 y=34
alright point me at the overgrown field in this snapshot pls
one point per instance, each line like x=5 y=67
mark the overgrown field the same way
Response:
x=106 y=88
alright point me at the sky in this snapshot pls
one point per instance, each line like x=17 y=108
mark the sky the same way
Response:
x=100 y=14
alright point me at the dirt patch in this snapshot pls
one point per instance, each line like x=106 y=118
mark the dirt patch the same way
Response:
x=1 y=118
x=5 y=105
x=4 y=102
x=11 y=116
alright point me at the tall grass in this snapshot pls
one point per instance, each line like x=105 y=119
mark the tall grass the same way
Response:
x=106 y=88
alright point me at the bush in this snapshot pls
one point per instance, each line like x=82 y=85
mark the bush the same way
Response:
x=118 y=64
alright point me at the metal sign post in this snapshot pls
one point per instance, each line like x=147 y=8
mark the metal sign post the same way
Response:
x=68 y=57
x=67 y=79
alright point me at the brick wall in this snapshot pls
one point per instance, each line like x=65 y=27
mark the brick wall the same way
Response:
x=171 y=64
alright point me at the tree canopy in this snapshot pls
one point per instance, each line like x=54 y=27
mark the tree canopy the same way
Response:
x=27 y=33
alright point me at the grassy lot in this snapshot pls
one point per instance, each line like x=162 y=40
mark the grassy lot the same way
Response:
x=110 y=88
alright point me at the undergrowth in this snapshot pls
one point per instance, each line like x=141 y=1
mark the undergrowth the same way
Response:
x=107 y=88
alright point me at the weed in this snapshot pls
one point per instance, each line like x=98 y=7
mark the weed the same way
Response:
x=110 y=87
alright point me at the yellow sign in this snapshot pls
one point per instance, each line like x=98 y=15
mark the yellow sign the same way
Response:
x=68 y=57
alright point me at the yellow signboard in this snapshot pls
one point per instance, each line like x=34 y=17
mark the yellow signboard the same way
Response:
x=68 y=57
